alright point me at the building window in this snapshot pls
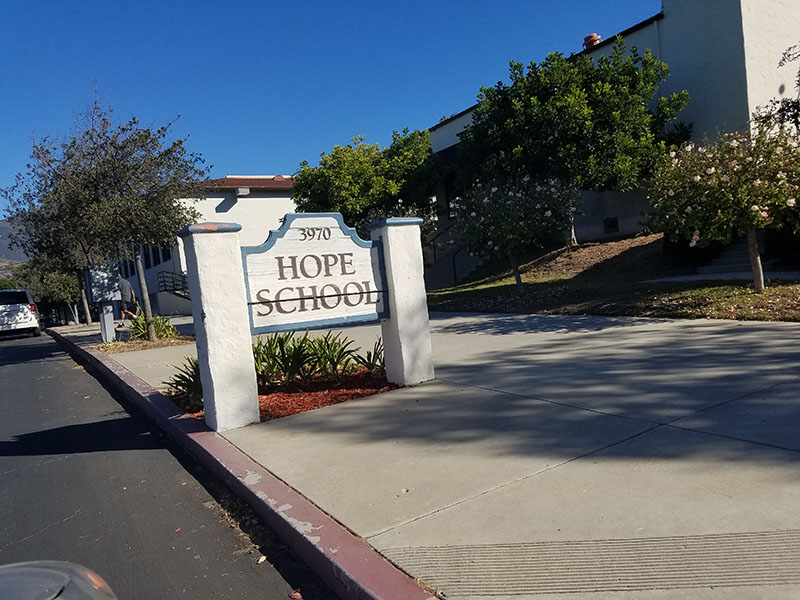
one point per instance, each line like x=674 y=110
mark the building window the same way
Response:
x=610 y=225
x=146 y=252
x=166 y=253
x=156 y=255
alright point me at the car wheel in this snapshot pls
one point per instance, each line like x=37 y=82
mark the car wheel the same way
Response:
x=37 y=332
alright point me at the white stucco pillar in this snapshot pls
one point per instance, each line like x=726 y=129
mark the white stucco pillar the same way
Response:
x=221 y=324
x=406 y=333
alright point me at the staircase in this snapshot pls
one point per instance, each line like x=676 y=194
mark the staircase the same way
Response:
x=174 y=283
x=733 y=259
x=447 y=260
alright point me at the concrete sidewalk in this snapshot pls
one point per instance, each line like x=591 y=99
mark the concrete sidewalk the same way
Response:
x=564 y=457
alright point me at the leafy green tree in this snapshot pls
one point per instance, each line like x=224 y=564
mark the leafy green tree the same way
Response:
x=9 y=283
x=575 y=123
x=58 y=207
x=722 y=190
x=103 y=193
x=366 y=182
x=150 y=180
x=47 y=282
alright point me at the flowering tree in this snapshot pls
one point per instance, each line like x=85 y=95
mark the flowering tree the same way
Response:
x=509 y=214
x=722 y=190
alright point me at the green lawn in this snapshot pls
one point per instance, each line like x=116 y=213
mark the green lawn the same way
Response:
x=608 y=279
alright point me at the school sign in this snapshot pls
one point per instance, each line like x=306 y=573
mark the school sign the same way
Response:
x=313 y=272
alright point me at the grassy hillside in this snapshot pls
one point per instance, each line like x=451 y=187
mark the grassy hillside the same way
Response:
x=609 y=279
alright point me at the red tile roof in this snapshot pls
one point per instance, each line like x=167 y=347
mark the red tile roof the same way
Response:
x=274 y=182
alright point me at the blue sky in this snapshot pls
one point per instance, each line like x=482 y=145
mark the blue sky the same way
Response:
x=261 y=86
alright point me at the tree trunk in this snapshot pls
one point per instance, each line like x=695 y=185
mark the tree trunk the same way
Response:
x=515 y=268
x=145 y=298
x=755 y=261
x=73 y=311
x=569 y=235
x=84 y=300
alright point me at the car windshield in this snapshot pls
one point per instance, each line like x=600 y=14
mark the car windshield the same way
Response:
x=12 y=297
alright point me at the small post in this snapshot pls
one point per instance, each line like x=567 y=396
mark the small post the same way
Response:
x=100 y=284
x=107 y=331
x=221 y=324
x=406 y=333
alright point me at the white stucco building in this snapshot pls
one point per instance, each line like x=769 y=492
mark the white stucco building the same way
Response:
x=256 y=202
x=724 y=52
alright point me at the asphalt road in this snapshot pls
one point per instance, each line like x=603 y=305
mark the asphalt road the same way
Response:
x=83 y=480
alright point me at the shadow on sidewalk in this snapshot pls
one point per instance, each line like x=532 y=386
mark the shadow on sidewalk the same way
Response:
x=547 y=395
x=498 y=324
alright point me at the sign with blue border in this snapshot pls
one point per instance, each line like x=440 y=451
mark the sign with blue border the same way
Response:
x=314 y=271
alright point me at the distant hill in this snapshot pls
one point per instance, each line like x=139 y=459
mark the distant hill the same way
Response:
x=7 y=254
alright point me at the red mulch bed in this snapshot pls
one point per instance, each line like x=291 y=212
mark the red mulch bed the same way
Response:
x=318 y=393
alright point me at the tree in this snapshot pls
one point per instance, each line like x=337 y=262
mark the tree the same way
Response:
x=150 y=180
x=573 y=123
x=102 y=194
x=365 y=182
x=722 y=190
x=58 y=207
x=508 y=215
x=9 y=283
x=47 y=283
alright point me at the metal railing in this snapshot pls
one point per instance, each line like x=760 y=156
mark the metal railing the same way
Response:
x=431 y=242
x=174 y=283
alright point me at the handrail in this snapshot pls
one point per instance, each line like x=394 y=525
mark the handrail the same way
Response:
x=432 y=242
x=441 y=233
x=169 y=281
x=455 y=269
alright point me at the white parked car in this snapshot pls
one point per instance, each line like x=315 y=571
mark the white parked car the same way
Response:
x=18 y=313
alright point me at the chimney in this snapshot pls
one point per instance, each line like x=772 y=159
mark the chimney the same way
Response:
x=591 y=40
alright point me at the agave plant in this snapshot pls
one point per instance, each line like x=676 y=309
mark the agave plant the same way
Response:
x=372 y=360
x=164 y=328
x=186 y=385
x=333 y=354
x=265 y=351
x=295 y=359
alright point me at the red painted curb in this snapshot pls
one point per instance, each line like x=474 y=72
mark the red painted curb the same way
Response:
x=347 y=564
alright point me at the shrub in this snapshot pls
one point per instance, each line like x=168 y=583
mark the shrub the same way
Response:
x=295 y=358
x=265 y=352
x=187 y=386
x=164 y=329
x=372 y=360
x=281 y=359
x=333 y=354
